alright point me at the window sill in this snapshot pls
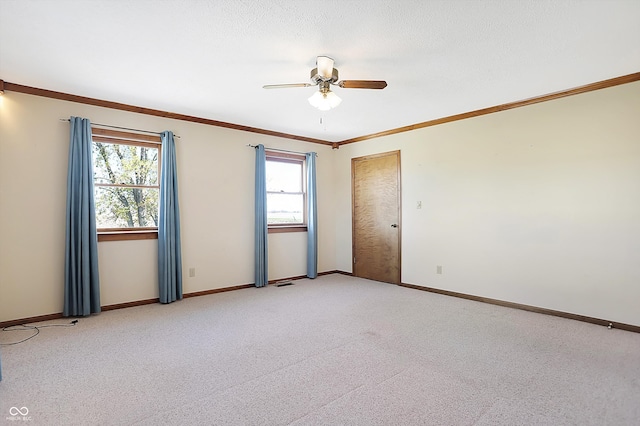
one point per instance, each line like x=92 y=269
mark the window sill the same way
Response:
x=291 y=228
x=127 y=235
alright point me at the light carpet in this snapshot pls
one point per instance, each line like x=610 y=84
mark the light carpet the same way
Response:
x=330 y=351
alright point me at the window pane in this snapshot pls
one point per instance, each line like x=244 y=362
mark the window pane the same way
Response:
x=285 y=208
x=126 y=207
x=125 y=164
x=284 y=177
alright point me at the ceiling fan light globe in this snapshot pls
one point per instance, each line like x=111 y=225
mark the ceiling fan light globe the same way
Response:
x=316 y=99
x=332 y=99
x=324 y=101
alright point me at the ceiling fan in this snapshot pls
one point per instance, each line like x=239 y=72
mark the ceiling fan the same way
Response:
x=324 y=75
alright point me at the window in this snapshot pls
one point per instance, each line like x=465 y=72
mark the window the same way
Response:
x=126 y=170
x=286 y=192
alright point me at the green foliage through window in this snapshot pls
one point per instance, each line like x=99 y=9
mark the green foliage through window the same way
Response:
x=126 y=185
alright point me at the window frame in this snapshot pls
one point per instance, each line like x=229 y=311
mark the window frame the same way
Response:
x=285 y=157
x=118 y=137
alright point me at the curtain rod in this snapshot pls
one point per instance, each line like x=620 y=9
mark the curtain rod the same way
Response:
x=281 y=150
x=123 y=128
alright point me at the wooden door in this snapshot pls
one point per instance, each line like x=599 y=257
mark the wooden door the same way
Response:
x=375 y=189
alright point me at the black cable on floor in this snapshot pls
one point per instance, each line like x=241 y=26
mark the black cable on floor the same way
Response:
x=23 y=327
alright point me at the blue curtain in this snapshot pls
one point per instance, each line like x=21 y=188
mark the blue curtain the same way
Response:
x=81 y=278
x=261 y=252
x=169 y=251
x=312 y=211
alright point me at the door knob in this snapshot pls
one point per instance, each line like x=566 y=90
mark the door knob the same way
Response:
x=394 y=225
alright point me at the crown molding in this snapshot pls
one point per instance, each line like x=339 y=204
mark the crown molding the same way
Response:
x=13 y=87
x=629 y=78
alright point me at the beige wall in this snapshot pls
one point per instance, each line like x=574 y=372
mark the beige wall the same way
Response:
x=215 y=170
x=539 y=205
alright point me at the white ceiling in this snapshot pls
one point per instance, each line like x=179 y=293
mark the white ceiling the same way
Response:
x=210 y=59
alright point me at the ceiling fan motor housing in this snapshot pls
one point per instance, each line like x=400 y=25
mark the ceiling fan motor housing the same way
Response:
x=316 y=78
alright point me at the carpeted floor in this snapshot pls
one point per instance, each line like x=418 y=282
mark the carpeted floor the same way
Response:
x=335 y=350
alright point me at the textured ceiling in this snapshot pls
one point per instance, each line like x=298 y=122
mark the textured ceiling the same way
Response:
x=211 y=58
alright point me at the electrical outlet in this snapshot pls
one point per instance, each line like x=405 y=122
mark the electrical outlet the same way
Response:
x=192 y=272
x=419 y=205
x=439 y=269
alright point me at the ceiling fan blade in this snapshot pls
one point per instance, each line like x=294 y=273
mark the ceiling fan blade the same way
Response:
x=362 y=84
x=286 y=86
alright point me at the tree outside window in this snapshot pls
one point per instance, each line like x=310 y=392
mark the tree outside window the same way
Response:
x=126 y=184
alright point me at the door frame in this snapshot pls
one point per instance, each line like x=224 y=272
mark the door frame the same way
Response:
x=395 y=153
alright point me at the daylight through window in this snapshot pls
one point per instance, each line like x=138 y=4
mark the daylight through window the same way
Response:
x=126 y=184
x=286 y=195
